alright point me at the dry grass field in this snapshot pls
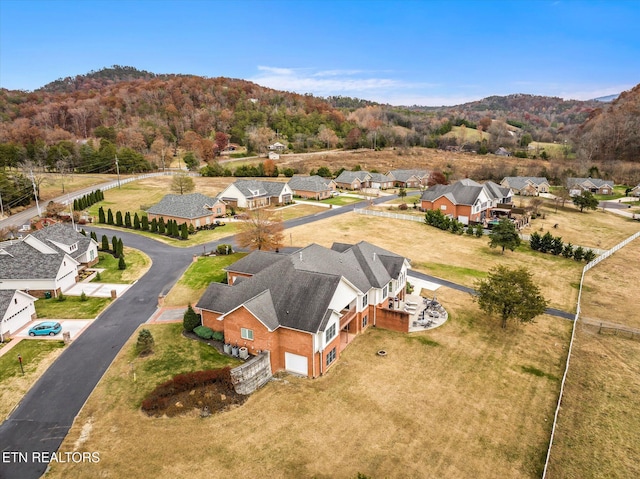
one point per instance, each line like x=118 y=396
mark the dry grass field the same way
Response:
x=465 y=400
x=460 y=259
x=593 y=229
x=599 y=426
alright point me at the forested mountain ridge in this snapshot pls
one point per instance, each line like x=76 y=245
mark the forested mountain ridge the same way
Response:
x=612 y=133
x=81 y=123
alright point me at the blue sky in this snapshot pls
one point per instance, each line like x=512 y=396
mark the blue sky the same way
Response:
x=399 y=52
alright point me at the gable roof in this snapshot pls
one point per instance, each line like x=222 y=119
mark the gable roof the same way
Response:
x=596 y=182
x=380 y=178
x=404 y=175
x=63 y=234
x=301 y=285
x=465 y=192
x=313 y=183
x=6 y=295
x=520 y=182
x=350 y=176
x=194 y=205
x=257 y=188
x=22 y=261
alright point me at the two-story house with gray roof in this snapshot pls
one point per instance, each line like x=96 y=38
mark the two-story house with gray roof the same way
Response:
x=252 y=194
x=305 y=307
x=596 y=186
x=467 y=201
x=193 y=209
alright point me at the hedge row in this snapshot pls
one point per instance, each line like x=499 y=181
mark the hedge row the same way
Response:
x=548 y=243
x=87 y=200
x=161 y=396
x=170 y=228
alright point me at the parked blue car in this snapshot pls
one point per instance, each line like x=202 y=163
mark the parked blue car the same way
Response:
x=46 y=328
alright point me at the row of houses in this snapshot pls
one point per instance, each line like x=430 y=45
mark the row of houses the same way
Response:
x=358 y=180
x=533 y=186
x=44 y=263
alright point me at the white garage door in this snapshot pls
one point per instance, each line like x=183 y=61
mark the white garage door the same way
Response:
x=295 y=363
x=463 y=219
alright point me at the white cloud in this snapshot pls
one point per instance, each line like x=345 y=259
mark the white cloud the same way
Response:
x=368 y=85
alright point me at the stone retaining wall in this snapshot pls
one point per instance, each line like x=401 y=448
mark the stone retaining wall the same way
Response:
x=253 y=374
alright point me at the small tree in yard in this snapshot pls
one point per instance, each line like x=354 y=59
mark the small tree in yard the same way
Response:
x=505 y=235
x=511 y=293
x=182 y=184
x=261 y=232
x=585 y=200
x=105 y=243
x=145 y=343
x=402 y=192
x=190 y=320
x=114 y=244
x=121 y=263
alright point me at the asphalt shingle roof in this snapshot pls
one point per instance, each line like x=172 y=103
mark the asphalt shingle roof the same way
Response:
x=520 y=182
x=597 y=182
x=465 y=192
x=404 y=175
x=309 y=183
x=5 y=299
x=257 y=188
x=349 y=176
x=63 y=234
x=301 y=285
x=194 y=205
x=23 y=261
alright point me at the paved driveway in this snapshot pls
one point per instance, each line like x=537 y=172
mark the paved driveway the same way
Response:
x=73 y=326
x=97 y=290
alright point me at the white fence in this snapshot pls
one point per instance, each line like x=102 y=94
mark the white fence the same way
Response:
x=386 y=214
x=586 y=268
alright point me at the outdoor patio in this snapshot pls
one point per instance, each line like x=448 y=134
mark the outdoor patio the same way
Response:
x=424 y=313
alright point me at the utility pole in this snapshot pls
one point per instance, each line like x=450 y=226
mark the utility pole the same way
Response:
x=71 y=209
x=1 y=207
x=35 y=192
x=118 y=171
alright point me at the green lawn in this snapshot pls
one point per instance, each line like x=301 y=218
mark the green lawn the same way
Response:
x=32 y=352
x=173 y=354
x=137 y=264
x=70 y=308
x=341 y=200
x=208 y=269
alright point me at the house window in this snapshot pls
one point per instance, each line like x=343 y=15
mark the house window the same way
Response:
x=365 y=300
x=331 y=356
x=330 y=333
x=384 y=292
x=218 y=210
x=365 y=320
x=443 y=207
x=246 y=333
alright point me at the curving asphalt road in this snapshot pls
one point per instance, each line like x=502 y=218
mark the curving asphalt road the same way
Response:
x=44 y=416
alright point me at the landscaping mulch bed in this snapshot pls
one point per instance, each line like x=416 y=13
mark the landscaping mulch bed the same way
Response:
x=215 y=397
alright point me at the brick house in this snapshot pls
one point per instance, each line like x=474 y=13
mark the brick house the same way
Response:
x=252 y=194
x=306 y=307
x=409 y=178
x=526 y=185
x=193 y=209
x=380 y=181
x=314 y=187
x=466 y=200
x=595 y=185
x=353 y=180
x=635 y=191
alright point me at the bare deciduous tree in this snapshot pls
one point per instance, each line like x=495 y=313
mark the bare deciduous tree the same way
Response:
x=261 y=231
